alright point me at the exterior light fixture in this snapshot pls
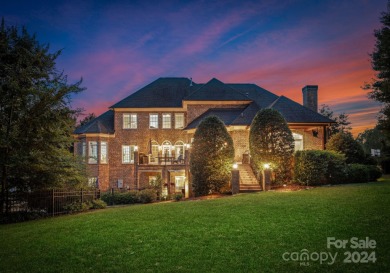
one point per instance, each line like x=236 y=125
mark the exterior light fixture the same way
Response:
x=135 y=148
x=267 y=166
x=235 y=166
x=188 y=145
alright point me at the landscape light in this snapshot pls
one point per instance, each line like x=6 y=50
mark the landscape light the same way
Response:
x=235 y=166
x=267 y=166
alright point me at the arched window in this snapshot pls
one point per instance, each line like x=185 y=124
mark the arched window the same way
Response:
x=166 y=148
x=179 y=149
x=298 y=141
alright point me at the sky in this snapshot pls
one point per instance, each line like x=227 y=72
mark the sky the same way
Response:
x=117 y=47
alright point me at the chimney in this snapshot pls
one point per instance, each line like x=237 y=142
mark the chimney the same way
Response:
x=310 y=97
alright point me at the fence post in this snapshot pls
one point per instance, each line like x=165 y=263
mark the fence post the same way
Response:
x=52 y=202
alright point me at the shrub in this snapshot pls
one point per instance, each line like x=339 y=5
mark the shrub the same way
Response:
x=77 y=206
x=98 y=204
x=357 y=173
x=212 y=157
x=147 y=196
x=178 y=196
x=345 y=143
x=271 y=141
x=314 y=167
x=373 y=172
x=120 y=198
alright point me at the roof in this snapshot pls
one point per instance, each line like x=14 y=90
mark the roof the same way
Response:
x=103 y=124
x=262 y=97
x=216 y=90
x=295 y=112
x=163 y=92
x=227 y=115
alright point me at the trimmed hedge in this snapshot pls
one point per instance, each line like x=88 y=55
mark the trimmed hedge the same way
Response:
x=359 y=173
x=314 y=167
x=129 y=197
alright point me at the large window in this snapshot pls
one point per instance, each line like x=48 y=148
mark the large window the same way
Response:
x=166 y=148
x=128 y=154
x=179 y=183
x=93 y=152
x=179 y=150
x=179 y=121
x=153 y=121
x=166 y=121
x=103 y=152
x=129 y=121
x=298 y=142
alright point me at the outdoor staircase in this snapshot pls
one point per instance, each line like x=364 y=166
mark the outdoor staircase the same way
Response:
x=248 y=181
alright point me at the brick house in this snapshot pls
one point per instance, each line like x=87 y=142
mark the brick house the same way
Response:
x=149 y=132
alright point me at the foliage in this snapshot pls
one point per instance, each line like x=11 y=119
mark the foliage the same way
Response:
x=342 y=123
x=86 y=119
x=212 y=156
x=380 y=60
x=156 y=184
x=36 y=121
x=372 y=139
x=357 y=173
x=77 y=206
x=345 y=143
x=314 y=167
x=98 y=204
x=147 y=196
x=271 y=142
x=119 y=198
x=178 y=196
x=374 y=172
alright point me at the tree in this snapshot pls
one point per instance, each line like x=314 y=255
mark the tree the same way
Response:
x=36 y=121
x=342 y=124
x=212 y=157
x=86 y=119
x=372 y=139
x=271 y=141
x=345 y=143
x=380 y=61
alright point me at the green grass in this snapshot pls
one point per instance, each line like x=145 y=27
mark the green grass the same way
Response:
x=243 y=233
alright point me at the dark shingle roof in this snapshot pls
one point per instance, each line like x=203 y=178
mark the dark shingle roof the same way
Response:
x=295 y=112
x=262 y=97
x=163 y=92
x=216 y=90
x=103 y=124
x=227 y=115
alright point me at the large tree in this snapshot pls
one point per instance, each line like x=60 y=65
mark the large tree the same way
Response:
x=380 y=60
x=36 y=120
x=373 y=139
x=345 y=143
x=212 y=157
x=271 y=142
x=342 y=123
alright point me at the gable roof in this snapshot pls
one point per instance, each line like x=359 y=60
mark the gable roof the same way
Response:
x=163 y=92
x=103 y=124
x=262 y=97
x=295 y=112
x=227 y=115
x=216 y=90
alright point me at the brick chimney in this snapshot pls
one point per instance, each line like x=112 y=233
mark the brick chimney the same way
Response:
x=310 y=97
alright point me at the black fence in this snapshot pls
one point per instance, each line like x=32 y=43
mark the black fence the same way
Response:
x=49 y=203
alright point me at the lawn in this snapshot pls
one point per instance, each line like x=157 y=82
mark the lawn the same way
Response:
x=242 y=233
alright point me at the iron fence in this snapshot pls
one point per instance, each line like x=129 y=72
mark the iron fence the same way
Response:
x=50 y=203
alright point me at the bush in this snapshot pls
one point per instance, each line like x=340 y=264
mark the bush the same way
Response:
x=77 y=206
x=314 y=167
x=98 y=204
x=147 y=196
x=120 y=198
x=345 y=143
x=178 y=196
x=373 y=172
x=357 y=173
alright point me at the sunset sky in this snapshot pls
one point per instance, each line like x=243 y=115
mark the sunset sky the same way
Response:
x=118 y=47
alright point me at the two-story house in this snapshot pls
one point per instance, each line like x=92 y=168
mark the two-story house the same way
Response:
x=149 y=133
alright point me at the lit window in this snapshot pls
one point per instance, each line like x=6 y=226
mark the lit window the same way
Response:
x=92 y=182
x=298 y=142
x=179 y=183
x=129 y=121
x=153 y=121
x=166 y=148
x=166 y=121
x=103 y=152
x=179 y=150
x=179 y=121
x=93 y=157
x=128 y=154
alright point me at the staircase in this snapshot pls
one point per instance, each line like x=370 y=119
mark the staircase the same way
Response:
x=248 y=181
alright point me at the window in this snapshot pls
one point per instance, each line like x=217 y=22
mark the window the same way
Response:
x=129 y=121
x=179 y=149
x=93 y=153
x=298 y=142
x=93 y=182
x=166 y=121
x=179 y=183
x=128 y=154
x=179 y=121
x=103 y=152
x=166 y=148
x=153 y=121
x=84 y=149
